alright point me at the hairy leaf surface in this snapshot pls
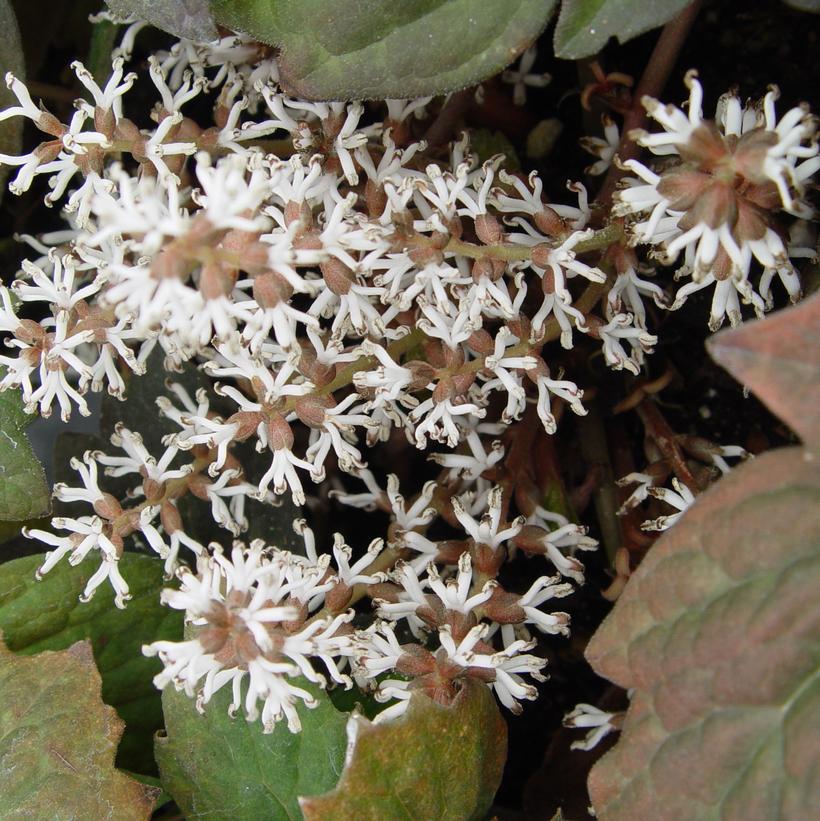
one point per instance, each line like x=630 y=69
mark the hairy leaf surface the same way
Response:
x=584 y=26
x=184 y=18
x=718 y=630
x=46 y=615
x=381 y=48
x=59 y=741
x=432 y=762
x=24 y=493
x=217 y=767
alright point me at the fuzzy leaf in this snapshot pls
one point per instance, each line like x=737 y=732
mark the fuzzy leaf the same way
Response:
x=11 y=59
x=218 y=767
x=46 y=615
x=432 y=762
x=380 y=48
x=718 y=631
x=57 y=759
x=24 y=493
x=584 y=26
x=184 y=18
x=779 y=359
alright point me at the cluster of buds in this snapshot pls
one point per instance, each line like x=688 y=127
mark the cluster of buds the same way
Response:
x=341 y=286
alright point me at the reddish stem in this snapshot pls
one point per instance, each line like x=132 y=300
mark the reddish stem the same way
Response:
x=668 y=442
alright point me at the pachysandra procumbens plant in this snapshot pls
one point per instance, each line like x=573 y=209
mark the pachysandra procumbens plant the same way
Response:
x=340 y=285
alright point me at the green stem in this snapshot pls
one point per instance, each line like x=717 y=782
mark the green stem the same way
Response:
x=345 y=376
x=602 y=238
x=508 y=253
x=599 y=240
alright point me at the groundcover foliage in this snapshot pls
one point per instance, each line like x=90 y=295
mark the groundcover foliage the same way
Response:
x=394 y=464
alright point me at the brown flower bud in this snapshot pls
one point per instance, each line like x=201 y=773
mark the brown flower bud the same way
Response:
x=375 y=199
x=488 y=229
x=271 y=289
x=338 y=277
x=248 y=422
x=107 y=507
x=280 y=435
x=541 y=255
x=549 y=222
x=481 y=342
x=311 y=409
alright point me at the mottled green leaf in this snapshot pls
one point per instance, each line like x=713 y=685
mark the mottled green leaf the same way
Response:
x=46 y=615
x=24 y=493
x=184 y=18
x=11 y=59
x=59 y=740
x=381 y=48
x=218 y=767
x=433 y=762
x=584 y=26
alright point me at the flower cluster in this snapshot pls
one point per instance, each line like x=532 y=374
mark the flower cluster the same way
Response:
x=718 y=204
x=341 y=287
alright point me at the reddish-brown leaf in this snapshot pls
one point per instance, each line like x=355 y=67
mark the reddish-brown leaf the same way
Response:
x=779 y=359
x=718 y=632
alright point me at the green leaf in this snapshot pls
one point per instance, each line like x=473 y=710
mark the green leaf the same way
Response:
x=11 y=59
x=804 y=5
x=718 y=630
x=24 y=493
x=432 y=762
x=383 y=48
x=218 y=767
x=46 y=615
x=584 y=26
x=184 y=18
x=59 y=740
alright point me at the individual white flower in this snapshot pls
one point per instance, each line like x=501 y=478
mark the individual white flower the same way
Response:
x=618 y=330
x=603 y=148
x=681 y=498
x=488 y=530
x=600 y=723
x=438 y=420
x=542 y=590
x=456 y=593
x=85 y=534
x=522 y=76
x=469 y=467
